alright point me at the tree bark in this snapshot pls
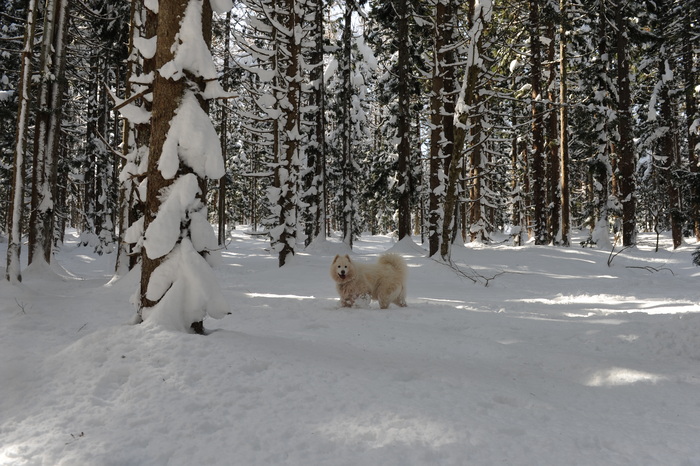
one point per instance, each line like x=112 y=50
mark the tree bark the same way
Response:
x=404 y=124
x=539 y=182
x=441 y=117
x=167 y=94
x=626 y=159
x=690 y=80
x=348 y=194
x=564 y=187
x=286 y=170
x=47 y=130
x=16 y=205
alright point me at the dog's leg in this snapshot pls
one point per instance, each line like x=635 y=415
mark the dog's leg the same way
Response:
x=347 y=302
x=401 y=299
x=386 y=298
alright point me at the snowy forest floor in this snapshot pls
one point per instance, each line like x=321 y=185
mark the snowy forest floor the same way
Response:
x=560 y=360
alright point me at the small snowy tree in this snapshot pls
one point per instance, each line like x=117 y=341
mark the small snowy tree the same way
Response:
x=178 y=287
x=136 y=129
x=273 y=44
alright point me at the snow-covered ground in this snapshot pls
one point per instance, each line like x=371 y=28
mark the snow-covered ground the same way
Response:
x=559 y=360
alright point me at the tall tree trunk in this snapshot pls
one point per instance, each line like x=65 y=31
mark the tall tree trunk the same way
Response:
x=47 y=130
x=348 y=194
x=404 y=124
x=475 y=216
x=479 y=18
x=167 y=94
x=552 y=124
x=286 y=169
x=177 y=286
x=564 y=188
x=315 y=182
x=690 y=80
x=537 y=160
x=16 y=204
x=441 y=118
x=669 y=154
x=136 y=135
x=221 y=208
x=626 y=159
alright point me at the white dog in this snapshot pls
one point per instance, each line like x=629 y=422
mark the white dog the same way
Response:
x=384 y=281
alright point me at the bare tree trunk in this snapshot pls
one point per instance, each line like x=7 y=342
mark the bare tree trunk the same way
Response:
x=478 y=22
x=553 y=165
x=347 y=197
x=47 y=130
x=221 y=209
x=404 y=125
x=564 y=188
x=475 y=217
x=16 y=206
x=316 y=152
x=690 y=80
x=537 y=159
x=441 y=117
x=671 y=159
x=626 y=161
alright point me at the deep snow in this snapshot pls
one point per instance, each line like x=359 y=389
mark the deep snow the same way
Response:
x=560 y=360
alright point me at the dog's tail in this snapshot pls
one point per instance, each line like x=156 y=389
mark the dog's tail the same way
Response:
x=396 y=262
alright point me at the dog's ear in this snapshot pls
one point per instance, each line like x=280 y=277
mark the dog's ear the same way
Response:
x=348 y=257
x=336 y=257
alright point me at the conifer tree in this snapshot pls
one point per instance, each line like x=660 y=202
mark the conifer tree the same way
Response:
x=16 y=205
x=177 y=288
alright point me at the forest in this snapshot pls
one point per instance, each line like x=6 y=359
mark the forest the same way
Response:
x=445 y=120
x=178 y=168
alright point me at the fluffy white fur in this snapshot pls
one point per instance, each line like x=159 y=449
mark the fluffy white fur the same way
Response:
x=384 y=281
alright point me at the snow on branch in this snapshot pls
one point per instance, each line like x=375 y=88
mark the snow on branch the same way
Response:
x=192 y=138
x=186 y=289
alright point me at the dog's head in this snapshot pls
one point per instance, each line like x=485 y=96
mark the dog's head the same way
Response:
x=341 y=268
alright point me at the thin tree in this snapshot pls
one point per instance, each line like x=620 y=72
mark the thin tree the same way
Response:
x=347 y=198
x=315 y=178
x=441 y=117
x=136 y=132
x=16 y=207
x=47 y=130
x=403 y=127
x=626 y=160
x=223 y=135
x=552 y=133
x=288 y=153
x=690 y=79
x=537 y=154
x=480 y=15
x=564 y=187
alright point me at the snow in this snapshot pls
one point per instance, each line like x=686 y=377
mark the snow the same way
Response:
x=147 y=46
x=192 y=138
x=186 y=283
x=561 y=359
x=191 y=52
x=180 y=199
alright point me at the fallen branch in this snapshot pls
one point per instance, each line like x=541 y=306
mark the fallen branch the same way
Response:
x=475 y=277
x=649 y=268
x=612 y=256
